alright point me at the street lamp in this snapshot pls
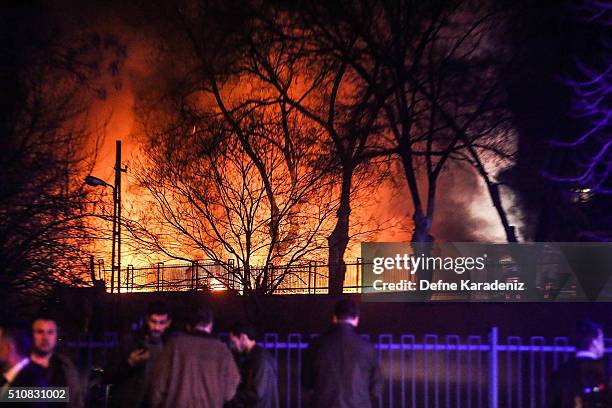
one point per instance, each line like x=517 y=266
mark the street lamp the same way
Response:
x=116 y=239
x=96 y=182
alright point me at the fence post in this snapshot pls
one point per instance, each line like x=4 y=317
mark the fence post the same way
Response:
x=192 y=281
x=158 y=276
x=309 y=276
x=493 y=368
x=129 y=282
x=358 y=275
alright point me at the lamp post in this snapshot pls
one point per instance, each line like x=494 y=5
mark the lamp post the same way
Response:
x=116 y=237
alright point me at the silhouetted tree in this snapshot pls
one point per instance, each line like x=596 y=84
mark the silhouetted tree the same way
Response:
x=48 y=80
x=284 y=145
x=257 y=201
x=415 y=80
x=591 y=88
x=588 y=169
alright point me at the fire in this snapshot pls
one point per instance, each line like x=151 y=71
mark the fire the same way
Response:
x=383 y=208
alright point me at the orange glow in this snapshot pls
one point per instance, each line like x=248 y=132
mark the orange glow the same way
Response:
x=386 y=206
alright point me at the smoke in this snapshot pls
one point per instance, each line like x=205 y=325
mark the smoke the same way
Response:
x=463 y=208
x=464 y=212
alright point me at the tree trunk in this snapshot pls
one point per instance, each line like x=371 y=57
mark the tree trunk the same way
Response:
x=493 y=189
x=422 y=242
x=496 y=199
x=339 y=238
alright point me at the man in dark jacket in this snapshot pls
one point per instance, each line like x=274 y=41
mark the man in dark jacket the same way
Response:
x=583 y=381
x=17 y=369
x=195 y=370
x=340 y=367
x=58 y=368
x=132 y=366
x=258 y=386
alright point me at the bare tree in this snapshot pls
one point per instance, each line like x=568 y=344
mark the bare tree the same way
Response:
x=242 y=182
x=45 y=149
x=245 y=84
x=418 y=81
x=322 y=91
x=377 y=80
x=587 y=164
x=434 y=66
x=591 y=90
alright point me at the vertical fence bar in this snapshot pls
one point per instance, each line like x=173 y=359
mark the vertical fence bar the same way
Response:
x=513 y=345
x=433 y=347
x=509 y=351
x=453 y=340
x=425 y=379
x=493 y=368
x=289 y=366
x=458 y=374
x=469 y=371
x=534 y=342
x=158 y=276
x=290 y=345
x=358 y=275
x=407 y=341
x=531 y=377
x=298 y=338
x=388 y=340
x=192 y=283
x=474 y=342
x=380 y=359
x=231 y=275
x=447 y=380
x=130 y=273
x=309 y=275
x=542 y=376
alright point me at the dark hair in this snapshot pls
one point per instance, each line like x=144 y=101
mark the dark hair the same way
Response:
x=346 y=309
x=159 y=308
x=202 y=315
x=21 y=336
x=244 y=327
x=586 y=332
x=45 y=316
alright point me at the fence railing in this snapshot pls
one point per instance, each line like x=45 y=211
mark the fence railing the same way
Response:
x=308 y=278
x=434 y=371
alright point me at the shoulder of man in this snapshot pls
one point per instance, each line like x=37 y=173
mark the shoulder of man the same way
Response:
x=261 y=354
x=62 y=359
x=66 y=364
x=338 y=333
x=189 y=339
x=328 y=335
x=364 y=346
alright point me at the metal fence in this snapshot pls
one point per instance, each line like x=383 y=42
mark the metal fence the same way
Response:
x=433 y=371
x=308 y=278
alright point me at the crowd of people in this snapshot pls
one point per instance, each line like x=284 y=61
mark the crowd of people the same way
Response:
x=158 y=369
x=155 y=367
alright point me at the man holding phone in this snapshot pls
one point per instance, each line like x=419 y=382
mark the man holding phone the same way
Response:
x=134 y=362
